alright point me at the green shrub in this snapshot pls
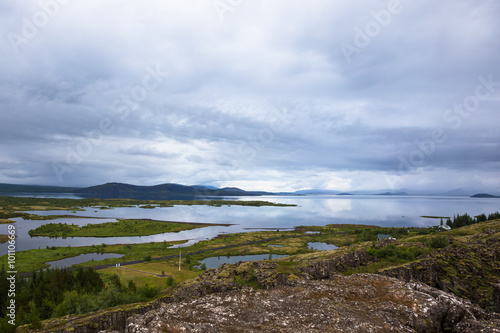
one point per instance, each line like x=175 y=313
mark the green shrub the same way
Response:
x=148 y=291
x=387 y=251
x=132 y=286
x=481 y=218
x=395 y=253
x=170 y=281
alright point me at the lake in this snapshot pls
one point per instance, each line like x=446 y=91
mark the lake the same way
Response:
x=386 y=211
x=214 y=262
x=321 y=246
x=67 y=262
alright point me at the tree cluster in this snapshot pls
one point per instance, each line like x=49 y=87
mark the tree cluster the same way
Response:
x=463 y=220
x=59 y=292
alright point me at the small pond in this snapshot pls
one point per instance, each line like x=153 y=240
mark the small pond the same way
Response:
x=272 y=245
x=67 y=262
x=321 y=246
x=214 y=262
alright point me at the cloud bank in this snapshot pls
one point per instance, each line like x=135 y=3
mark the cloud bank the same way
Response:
x=279 y=96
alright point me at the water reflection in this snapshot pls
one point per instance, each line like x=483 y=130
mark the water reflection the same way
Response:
x=321 y=246
x=214 y=262
x=387 y=211
x=67 y=262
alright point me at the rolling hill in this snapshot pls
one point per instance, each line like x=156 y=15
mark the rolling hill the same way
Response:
x=161 y=192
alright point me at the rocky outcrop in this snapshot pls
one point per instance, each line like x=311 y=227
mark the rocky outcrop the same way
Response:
x=496 y=296
x=356 y=303
x=228 y=277
x=221 y=300
x=110 y=319
x=424 y=270
x=468 y=270
x=323 y=269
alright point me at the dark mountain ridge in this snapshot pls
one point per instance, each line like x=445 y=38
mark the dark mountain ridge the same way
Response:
x=484 y=195
x=161 y=192
x=15 y=188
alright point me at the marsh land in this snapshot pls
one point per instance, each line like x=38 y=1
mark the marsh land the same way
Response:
x=148 y=270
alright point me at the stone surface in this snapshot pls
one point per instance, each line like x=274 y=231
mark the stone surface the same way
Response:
x=357 y=303
x=496 y=296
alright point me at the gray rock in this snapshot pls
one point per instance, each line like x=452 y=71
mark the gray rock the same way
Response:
x=496 y=297
x=356 y=303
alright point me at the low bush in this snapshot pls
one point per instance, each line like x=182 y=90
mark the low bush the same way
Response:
x=438 y=242
x=395 y=253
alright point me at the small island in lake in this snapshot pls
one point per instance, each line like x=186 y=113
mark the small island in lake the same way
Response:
x=484 y=195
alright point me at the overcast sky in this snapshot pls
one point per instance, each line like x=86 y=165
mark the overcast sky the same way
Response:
x=274 y=95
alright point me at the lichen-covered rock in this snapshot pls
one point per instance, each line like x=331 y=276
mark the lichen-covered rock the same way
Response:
x=229 y=277
x=357 y=303
x=496 y=296
x=384 y=242
x=323 y=269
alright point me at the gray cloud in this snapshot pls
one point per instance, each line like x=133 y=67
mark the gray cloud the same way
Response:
x=265 y=98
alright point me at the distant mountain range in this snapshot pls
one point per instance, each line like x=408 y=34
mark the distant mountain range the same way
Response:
x=127 y=191
x=185 y=192
x=161 y=192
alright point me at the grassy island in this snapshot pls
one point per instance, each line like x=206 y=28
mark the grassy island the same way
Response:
x=122 y=228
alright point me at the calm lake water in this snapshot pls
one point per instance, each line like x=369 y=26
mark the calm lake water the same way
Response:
x=67 y=262
x=214 y=262
x=321 y=246
x=387 y=211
